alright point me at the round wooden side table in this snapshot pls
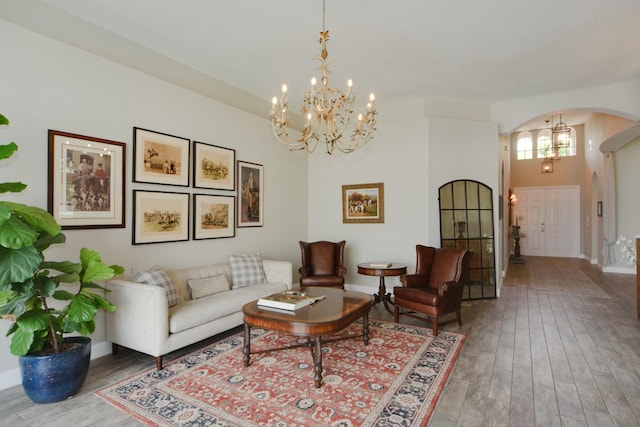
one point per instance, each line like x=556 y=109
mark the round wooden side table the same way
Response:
x=382 y=270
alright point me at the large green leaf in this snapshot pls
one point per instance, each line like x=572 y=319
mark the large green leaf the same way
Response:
x=12 y=187
x=21 y=342
x=3 y=120
x=18 y=265
x=5 y=213
x=47 y=240
x=101 y=302
x=34 y=320
x=63 y=266
x=44 y=285
x=82 y=309
x=18 y=303
x=37 y=218
x=7 y=151
x=16 y=234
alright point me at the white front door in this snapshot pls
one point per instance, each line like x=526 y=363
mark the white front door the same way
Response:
x=549 y=220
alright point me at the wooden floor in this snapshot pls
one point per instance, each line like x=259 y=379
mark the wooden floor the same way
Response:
x=531 y=358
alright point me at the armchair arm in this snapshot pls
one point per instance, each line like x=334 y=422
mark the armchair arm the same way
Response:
x=342 y=271
x=304 y=271
x=413 y=280
x=445 y=287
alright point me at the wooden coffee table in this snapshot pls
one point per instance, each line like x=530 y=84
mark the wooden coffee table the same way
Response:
x=338 y=310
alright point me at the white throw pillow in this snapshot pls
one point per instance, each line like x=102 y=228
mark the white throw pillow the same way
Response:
x=208 y=286
x=246 y=270
x=157 y=277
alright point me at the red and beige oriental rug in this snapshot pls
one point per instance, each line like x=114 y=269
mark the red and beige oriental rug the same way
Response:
x=395 y=380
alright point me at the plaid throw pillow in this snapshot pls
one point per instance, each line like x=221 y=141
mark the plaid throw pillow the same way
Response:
x=157 y=277
x=246 y=270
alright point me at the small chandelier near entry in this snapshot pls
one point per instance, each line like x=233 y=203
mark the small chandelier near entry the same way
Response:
x=560 y=138
x=326 y=110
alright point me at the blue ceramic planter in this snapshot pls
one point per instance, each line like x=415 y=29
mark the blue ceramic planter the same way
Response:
x=56 y=377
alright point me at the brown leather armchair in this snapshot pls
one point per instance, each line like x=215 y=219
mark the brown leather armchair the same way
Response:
x=436 y=288
x=322 y=264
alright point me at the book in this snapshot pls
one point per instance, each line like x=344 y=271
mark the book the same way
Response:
x=381 y=264
x=289 y=300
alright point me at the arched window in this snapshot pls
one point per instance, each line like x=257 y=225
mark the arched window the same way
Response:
x=543 y=144
x=524 y=146
x=567 y=144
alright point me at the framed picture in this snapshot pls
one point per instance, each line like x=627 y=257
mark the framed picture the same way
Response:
x=250 y=194
x=86 y=181
x=363 y=203
x=160 y=217
x=213 y=167
x=213 y=216
x=159 y=158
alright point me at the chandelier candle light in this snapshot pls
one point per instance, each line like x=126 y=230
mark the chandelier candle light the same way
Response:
x=327 y=112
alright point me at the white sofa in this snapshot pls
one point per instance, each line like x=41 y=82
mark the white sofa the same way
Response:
x=143 y=320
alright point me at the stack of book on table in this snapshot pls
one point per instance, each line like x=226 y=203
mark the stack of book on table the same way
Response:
x=382 y=264
x=289 y=300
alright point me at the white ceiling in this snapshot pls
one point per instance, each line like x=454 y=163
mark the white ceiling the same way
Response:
x=484 y=51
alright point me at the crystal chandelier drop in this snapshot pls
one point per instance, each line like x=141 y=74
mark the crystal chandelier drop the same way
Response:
x=327 y=112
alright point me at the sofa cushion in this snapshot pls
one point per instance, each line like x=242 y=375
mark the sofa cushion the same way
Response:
x=157 y=277
x=207 y=286
x=203 y=310
x=246 y=270
x=179 y=277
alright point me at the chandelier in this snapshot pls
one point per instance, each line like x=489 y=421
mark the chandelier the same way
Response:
x=327 y=112
x=560 y=138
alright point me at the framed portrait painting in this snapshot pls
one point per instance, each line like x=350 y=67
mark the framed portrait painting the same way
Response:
x=160 y=217
x=213 y=167
x=363 y=203
x=159 y=158
x=213 y=216
x=86 y=181
x=250 y=194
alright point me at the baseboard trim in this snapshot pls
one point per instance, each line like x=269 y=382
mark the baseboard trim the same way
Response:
x=12 y=378
x=621 y=270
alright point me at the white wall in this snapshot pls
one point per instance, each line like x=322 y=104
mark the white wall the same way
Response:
x=413 y=159
x=397 y=156
x=628 y=196
x=49 y=85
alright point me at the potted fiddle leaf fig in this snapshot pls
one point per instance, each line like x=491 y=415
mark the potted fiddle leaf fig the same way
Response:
x=47 y=300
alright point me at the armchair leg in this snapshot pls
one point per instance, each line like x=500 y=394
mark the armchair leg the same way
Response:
x=459 y=317
x=114 y=349
x=159 y=363
x=434 y=326
x=396 y=313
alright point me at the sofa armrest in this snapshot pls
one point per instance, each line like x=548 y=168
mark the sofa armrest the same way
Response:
x=278 y=272
x=141 y=319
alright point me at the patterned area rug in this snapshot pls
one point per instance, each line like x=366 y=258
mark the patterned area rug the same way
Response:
x=394 y=380
x=564 y=278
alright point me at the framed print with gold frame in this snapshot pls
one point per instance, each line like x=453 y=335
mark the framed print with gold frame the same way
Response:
x=363 y=203
x=250 y=194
